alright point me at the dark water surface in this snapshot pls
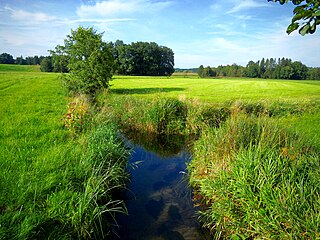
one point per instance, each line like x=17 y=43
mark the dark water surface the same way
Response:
x=158 y=197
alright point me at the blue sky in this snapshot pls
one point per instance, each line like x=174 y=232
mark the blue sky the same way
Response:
x=208 y=32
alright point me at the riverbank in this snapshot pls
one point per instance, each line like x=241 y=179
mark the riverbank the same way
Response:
x=62 y=160
x=59 y=167
x=253 y=174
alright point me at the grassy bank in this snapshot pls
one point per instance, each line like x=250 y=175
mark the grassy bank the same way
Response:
x=256 y=162
x=255 y=179
x=54 y=183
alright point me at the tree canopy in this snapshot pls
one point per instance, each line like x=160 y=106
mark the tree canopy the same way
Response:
x=90 y=61
x=6 y=58
x=306 y=16
x=143 y=58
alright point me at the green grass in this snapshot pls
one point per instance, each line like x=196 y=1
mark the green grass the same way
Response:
x=218 y=90
x=257 y=157
x=257 y=180
x=54 y=184
x=256 y=161
x=19 y=68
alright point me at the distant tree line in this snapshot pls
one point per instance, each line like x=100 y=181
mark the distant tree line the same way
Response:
x=272 y=68
x=6 y=58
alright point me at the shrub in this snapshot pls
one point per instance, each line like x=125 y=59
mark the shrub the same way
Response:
x=78 y=114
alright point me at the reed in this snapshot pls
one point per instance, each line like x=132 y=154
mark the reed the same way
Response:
x=256 y=180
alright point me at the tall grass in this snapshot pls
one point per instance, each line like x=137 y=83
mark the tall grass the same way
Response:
x=158 y=116
x=257 y=181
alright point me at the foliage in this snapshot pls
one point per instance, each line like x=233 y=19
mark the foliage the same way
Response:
x=46 y=65
x=314 y=74
x=90 y=61
x=281 y=68
x=60 y=59
x=78 y=115
x=6 y=58
x=306 y=16
x=143 y=59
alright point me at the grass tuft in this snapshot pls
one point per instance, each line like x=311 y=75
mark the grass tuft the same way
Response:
x=257 y=181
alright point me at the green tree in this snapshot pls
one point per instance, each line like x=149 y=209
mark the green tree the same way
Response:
x=201 y=72
x=252 y=70
x=306 y=16
x=300 y=71
x=143 y=58
x=91 y=62
x=46 y=65
x=20 y=61
x=6 y=58
x=60 y=59
x=314 y=73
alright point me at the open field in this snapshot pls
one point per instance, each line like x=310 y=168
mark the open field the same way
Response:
x=51 y=182
x=302 y=95
x=19 y=68
x=54 y=184
x=218 y=90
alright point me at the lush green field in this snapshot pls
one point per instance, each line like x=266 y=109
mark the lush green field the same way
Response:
x=258 y=144
x=218 y=90
x=54 y=183
x=19 y=68
x=285 y=95
x=256 y=162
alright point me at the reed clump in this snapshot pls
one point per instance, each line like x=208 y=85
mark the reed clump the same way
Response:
x=256 y=180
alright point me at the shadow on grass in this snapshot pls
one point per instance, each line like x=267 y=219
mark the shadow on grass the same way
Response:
x=144 y=90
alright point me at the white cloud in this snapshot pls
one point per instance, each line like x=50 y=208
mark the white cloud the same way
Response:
x=25 y=16
x=245 y=5
x=114 y=8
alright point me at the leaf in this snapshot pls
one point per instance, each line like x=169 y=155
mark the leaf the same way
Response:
x=313 y=28
x=292 y=27
x=304 y=29
x=299 y=8
x=317 y=13
x=299 y=16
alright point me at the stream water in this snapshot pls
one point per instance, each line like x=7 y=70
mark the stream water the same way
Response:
x=159 y=200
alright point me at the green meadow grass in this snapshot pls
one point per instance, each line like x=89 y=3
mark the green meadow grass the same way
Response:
x=297 y=103
x=256 y=162
x=54 y=184
x=218 y=90
x=19 y=68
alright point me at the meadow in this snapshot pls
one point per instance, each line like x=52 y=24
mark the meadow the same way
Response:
x=218 y=90
x=256 y=158
x=54 y=183
x=255 y=166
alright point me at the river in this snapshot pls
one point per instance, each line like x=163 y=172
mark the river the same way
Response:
x=158 y=198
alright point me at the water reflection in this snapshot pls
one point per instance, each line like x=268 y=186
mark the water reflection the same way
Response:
x=158 y=198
